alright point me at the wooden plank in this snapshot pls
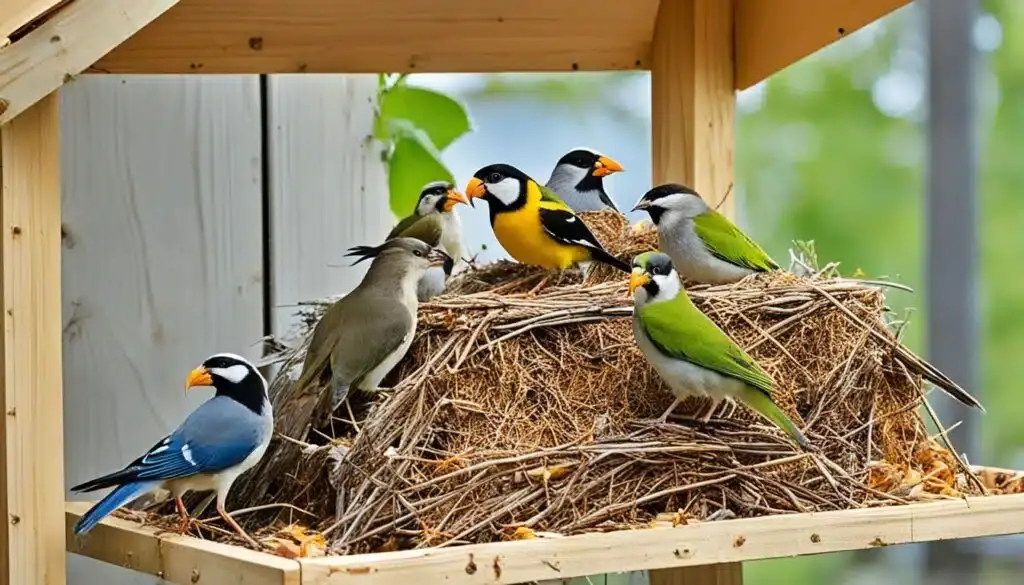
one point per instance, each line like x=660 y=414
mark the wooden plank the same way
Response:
x=720 y=574
x=32 y=463
x=16 y=14
x=692 y=99
x=355 y=36
x=163 y=261
x=328 y=186
x=773 y=34
x=728 y=541
x=175 y=558
x=64 y=45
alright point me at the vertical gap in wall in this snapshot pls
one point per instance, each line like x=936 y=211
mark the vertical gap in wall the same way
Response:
x=265 y=184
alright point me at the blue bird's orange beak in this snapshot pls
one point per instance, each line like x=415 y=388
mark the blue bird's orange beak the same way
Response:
x=198 y=377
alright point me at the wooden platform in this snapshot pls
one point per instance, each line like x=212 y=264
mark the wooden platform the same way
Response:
x=184 y=560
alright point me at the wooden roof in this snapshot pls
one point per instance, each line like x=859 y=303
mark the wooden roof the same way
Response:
x=50 y=41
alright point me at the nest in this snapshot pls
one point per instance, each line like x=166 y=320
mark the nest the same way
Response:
x=524 y=406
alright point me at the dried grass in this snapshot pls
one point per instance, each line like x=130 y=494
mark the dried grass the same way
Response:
x=531 y=412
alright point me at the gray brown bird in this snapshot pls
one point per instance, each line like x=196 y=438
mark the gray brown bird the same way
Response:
x=578 y=180
x=363 y=335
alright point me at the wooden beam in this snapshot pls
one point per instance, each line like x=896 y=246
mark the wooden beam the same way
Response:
x=727 y=541
x=123 y=542
x=32 y=484
x=64 y=45
x=360 y=36
x=720 y=574
x=692 y=99
x=174 y=558
x=15 y=15
x=773 y=34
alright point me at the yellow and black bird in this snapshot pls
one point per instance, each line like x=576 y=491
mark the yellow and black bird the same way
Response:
x=532 y=223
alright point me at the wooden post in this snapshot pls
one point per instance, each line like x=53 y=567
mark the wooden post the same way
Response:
x=693 y=100
x=31 y=456
x=693 y=108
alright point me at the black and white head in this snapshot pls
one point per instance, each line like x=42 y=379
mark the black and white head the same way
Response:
x=653 y=279
x=235 y=377
x=438 y=197
x=585 y=169
x=501 y=186
x=671 y=201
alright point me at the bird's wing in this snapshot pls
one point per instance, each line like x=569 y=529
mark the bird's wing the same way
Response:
x=566 y=228
x=548 y=195
x=368 y=336
x=727 y=242
x=680 y=330
x=402 y=226
x=427 y=229
x=219 y=434
x=607 y=200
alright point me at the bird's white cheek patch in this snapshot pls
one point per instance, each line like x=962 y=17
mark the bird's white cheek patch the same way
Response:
x=234 y=374
x=186 y=452
x=507 y=191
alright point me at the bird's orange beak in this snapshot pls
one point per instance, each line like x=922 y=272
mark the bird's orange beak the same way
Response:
x=636 y=280
x=606 y=166
x=198 y=377
x=475 y=188
x=453 y=199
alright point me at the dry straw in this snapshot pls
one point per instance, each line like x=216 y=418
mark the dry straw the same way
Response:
x=521 y=411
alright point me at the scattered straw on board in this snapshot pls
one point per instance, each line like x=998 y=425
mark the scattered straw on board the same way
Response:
x=521 y=412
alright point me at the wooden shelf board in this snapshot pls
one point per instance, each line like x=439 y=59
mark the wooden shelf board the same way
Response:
x=356 y=36
x=129 y=544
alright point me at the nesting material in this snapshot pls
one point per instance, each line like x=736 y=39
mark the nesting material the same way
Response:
x=519 y=413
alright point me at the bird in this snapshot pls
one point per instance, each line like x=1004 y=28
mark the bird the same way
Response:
x=533 y=224
x=704 y=245
x=222 y=439
x=578 y=179
x=689 y=352
x=435 y=222
x=363 y=335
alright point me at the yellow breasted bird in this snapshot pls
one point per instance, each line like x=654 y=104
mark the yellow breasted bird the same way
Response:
x=532 y=223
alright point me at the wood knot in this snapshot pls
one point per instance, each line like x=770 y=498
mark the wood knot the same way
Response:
x=4 y=104
x=470 y=566
x=16 y=230
x=497 y=568
x=15 y=519
x=256 y=43
x=739 y=541
x=815 y=538
x=195 y=576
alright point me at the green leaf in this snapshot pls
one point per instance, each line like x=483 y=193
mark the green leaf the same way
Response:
x=414 y=162
x=441 y=117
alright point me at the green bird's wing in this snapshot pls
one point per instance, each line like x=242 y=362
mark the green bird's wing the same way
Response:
x=426 y=229
x=680 y=330
x=402 y=226
x=727 y=242
x=549 y=196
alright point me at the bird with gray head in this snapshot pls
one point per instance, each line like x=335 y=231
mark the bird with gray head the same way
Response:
x=578 y=180
x=362 y=336
x=222 y=439
x=703 y=244
x=435 y=222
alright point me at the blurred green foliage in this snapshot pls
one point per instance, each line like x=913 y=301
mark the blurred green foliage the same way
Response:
x=415 y=124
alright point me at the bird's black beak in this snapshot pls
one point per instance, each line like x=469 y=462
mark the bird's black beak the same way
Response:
x=437 y=257
x=641 y=205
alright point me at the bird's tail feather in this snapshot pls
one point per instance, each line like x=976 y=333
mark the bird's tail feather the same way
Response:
x=762 y=403
x=112 y=501
x=605 y=257
x=119 y=477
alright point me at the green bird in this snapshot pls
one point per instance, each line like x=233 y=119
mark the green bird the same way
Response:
x=435 y=222
x=703 y=244
x=690 y=353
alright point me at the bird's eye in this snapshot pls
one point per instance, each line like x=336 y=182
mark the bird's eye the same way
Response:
x=418 y=253
x=494 y=178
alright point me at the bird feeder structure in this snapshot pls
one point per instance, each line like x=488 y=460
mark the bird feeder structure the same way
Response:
x=699 y=52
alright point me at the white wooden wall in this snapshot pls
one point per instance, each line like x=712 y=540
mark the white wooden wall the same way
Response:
x=164 y=259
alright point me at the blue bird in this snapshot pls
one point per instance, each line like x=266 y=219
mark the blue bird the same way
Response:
x=223 y=438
